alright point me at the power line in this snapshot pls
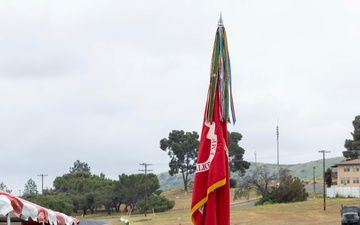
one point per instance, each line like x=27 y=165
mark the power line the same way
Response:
x=145 y=170
x=290 y=155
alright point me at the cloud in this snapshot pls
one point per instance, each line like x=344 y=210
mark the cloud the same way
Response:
x=104 y=82
x=27 y=57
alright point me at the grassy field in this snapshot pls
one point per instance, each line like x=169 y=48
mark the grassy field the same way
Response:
x=308 y=212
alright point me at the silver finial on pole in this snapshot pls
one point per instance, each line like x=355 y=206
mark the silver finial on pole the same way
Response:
x=220 y=22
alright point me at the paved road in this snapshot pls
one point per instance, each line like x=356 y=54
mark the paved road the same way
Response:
x=248 y=203
x=318 y=188
x=91 y=222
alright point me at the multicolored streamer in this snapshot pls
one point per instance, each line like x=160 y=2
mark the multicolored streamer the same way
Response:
x=220 y=79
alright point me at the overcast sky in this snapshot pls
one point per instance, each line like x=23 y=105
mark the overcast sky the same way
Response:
x=104 y=81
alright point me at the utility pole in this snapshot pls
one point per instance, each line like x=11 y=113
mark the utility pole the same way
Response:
x=324 y=191
x=314 y=178
x=42 y=182
x=255 y=158
x=277 y=142
x=145 y=170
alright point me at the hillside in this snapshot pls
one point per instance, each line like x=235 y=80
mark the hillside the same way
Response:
x=304 y=171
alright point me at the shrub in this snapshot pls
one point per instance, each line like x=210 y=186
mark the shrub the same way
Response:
x=290 y=189
x=156 y=202
x=232 y=183
x=265 y=200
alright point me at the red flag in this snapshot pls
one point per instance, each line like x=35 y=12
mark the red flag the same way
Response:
x=211 y=193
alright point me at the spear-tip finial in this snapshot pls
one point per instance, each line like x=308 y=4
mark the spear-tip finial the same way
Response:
x=220 y=23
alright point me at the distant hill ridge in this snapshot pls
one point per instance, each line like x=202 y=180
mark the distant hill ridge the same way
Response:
x=304 y=171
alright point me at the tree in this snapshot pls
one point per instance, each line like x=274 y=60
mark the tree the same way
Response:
x=353 y=146
x=237 y=162
x=259 y=179
x=242 y=191
x=4 y=188
x=80 y=167
x=85 y=190
x=130 y=189
x=328 y=177
x=182 y=148
x=30 y=188
x=107 y=196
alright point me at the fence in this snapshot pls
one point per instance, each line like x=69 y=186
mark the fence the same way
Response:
x=343 y=191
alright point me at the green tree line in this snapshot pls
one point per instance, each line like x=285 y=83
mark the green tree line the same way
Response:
x=79 y=191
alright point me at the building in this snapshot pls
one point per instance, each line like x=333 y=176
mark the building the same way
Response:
x=348 y=180
x=348 y=173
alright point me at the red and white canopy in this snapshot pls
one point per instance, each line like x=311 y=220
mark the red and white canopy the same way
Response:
x=24 y=209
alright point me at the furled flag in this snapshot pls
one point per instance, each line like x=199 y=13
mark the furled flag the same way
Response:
x=211 y=194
